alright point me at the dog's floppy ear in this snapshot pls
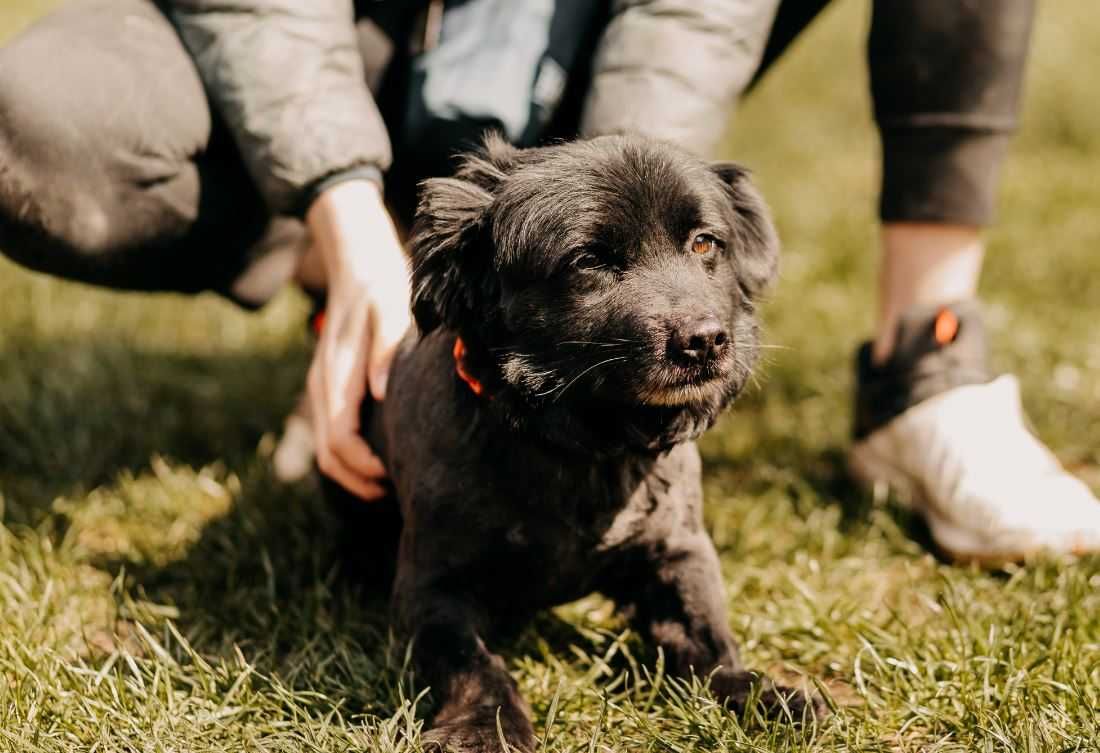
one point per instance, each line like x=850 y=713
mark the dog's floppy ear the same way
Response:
x=756 y=242
x=451 y=250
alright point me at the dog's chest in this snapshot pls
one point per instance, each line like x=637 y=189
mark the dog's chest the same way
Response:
x=579 y=524
x=591 y=516
x=647 y=511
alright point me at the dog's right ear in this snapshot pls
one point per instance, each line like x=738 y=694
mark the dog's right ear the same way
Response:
x=452 y=277
x=756 y=240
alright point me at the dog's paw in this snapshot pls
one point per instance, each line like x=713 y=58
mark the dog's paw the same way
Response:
x=478 y=732
x=777 y=702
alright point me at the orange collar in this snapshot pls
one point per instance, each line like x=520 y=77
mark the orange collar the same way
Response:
x=459 y=353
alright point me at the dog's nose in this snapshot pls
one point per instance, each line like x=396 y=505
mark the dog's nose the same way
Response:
x=697 y=341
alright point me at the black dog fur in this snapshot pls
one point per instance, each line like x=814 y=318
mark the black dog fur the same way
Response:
x=604 y=291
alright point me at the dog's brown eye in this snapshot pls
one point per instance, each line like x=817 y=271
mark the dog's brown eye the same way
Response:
x=703 y=244
x=588 y=261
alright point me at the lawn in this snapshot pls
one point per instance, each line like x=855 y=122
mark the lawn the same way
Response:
x=160 y=591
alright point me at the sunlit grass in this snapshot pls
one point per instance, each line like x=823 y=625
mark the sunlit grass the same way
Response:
x=160 y=592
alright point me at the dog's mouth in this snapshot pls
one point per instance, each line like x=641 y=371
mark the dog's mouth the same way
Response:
x=674 y=397
x=689 y=393
x=673 y=386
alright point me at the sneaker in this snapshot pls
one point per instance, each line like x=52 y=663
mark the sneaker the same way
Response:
x=933 y=426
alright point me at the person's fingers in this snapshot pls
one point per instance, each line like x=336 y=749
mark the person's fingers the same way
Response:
x=332 y=465
x=341 y=361
x=356 y=454
x=343 y=352
x=315 y=394
x=341 y=454
x=390 y=328
x=365 y=489
x=381 y=360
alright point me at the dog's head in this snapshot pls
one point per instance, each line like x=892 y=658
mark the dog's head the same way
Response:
x=609 y=279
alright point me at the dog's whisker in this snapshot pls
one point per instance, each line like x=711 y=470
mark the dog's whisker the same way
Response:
x=596 y=344
x=590 y=368
x=756 y=383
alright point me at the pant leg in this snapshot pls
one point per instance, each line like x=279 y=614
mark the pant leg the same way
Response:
x=946 y=78
x=112 y=169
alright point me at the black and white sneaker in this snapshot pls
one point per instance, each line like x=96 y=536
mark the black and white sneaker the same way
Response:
x=933 y=425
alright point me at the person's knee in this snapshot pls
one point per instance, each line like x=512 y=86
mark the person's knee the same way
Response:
x=45 y=187
x=52 y=191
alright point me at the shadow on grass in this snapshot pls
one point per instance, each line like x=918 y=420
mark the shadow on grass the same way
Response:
x=272 y=579
x=262 y=574
x=76 y=414
x=817 y=478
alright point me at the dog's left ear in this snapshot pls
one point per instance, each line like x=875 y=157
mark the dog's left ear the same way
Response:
x=451 y=251
x=756 y=242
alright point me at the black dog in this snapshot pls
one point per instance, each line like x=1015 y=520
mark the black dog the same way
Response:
x=586 y=310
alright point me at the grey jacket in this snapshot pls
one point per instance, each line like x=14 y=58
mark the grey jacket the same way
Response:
x=287 y=76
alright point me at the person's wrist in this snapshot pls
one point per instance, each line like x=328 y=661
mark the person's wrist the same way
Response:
x=353 y=232
x=370 y=173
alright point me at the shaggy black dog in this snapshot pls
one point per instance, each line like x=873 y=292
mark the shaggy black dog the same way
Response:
x=586 y=310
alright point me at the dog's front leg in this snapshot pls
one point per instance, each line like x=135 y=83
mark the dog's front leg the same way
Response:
x=471 y=685
x=677 y=599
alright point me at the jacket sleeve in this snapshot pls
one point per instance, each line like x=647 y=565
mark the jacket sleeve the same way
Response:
x=287 y=77
x=673 y=69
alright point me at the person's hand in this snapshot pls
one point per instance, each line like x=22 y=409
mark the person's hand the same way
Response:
x=366 y=314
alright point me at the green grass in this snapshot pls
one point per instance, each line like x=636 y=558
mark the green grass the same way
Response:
x=159 y=591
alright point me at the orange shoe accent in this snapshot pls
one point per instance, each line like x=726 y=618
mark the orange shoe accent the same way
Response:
x=459 y=353
x=946 y=326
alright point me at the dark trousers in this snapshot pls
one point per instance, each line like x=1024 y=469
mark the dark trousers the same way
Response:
x=114 y=170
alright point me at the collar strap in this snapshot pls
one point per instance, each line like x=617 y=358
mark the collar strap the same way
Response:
x=471 y=381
